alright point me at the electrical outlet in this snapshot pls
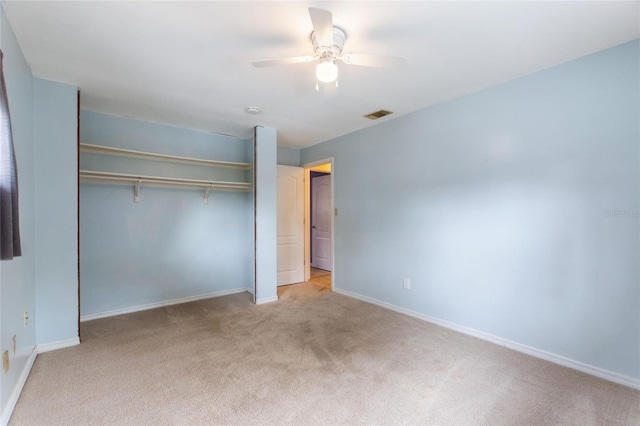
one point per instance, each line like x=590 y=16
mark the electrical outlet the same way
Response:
x=5 y=361
x=26 y=318
x=406 y=284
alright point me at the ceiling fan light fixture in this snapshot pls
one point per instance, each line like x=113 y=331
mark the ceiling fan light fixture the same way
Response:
x=327 y=71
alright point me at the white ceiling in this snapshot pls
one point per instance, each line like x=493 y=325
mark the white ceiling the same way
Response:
x=188 y=63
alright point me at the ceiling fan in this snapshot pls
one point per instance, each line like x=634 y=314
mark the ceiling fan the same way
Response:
x=328 y=42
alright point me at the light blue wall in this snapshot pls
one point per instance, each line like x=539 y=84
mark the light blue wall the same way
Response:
x=43 y=281
x=288 y=156
x=495 y=206
x=265 y=214
x=56 y=125
x=17 y=276
x=170 y=245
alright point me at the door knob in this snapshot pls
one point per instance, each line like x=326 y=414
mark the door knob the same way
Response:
x=314 y=227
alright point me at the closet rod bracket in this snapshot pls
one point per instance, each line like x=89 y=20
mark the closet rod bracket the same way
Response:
x=136 y=194
x=205 y=196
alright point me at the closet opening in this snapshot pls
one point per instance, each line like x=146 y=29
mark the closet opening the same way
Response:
x=166 y=217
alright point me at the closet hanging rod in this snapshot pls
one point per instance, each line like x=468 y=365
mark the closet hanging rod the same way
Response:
x=89 y=176
x=129 y=153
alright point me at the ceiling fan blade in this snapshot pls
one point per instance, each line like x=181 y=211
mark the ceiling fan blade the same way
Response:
x=368 y=60
x=282 y=61
x=322 y=22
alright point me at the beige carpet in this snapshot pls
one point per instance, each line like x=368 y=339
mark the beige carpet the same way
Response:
x=314 y=357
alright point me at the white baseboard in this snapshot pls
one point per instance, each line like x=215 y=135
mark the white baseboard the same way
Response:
x=89 y=317
x=547 y=356
x=60 y=344
x=266 y=300
x=17 y=390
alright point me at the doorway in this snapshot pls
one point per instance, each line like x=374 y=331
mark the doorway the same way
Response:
x=316 y=261
x=320 y=215
x=319 y=232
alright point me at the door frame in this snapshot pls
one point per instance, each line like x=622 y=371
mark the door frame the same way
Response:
x=307 y=217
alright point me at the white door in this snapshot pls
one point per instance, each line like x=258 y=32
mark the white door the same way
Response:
x=290 y=182
x=321 y=222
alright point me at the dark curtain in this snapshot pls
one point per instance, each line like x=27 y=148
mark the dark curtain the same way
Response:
x=9 y=220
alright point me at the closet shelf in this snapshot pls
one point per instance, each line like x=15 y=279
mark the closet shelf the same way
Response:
x=90 y=176
x=119 y=152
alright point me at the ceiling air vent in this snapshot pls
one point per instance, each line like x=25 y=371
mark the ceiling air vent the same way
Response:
x=378 y=114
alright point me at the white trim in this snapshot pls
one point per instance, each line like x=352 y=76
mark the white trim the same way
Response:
x=519 y=347
x=17 y=390
x=266 y=300
x=90 y=317
x=60 y=344
x=320 y=162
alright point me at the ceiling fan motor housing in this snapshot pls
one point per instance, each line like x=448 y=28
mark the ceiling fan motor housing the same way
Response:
x=329 y=52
